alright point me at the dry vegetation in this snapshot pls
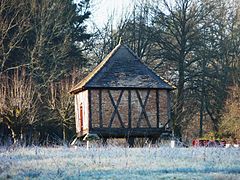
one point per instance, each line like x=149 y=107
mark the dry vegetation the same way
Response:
x=114 y=162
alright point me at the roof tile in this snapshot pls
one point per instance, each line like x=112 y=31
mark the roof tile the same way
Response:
x=122 y=69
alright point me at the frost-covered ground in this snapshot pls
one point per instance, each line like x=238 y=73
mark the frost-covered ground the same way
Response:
x=120 y=163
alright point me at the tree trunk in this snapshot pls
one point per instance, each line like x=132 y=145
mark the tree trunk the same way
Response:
x=64 y=133
x=180 y=101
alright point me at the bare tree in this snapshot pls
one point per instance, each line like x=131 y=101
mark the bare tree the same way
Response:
x=14 y=27
x=58 y=27
x=18 y=104
x=230 y=124
x=219 y=59
x=177 y=35
x=61 y=105
x=134 y=29
x=40 y=43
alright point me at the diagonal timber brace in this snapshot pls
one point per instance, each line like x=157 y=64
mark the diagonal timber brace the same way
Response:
x=143 y=105
x=115 y=105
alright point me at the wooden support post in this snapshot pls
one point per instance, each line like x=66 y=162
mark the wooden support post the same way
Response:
x=168 y=109
x=129 y=109
x=90 y=109
x=130 y=141
x=153 y=140
x=157 y=105
x=100 y=109
x=104 y=141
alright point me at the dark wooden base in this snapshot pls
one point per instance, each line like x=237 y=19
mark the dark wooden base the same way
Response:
x=104 y=141
x=130 y=141
x=129 y=133
x=125 y=133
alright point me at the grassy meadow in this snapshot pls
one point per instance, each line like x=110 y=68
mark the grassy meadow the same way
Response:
x=113 y=162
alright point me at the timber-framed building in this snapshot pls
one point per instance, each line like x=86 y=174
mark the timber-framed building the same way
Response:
x=122 y=97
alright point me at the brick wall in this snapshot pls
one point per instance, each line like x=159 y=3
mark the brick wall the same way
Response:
x=136 y=109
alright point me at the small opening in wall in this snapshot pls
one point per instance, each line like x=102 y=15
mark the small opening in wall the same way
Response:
x=81 y=118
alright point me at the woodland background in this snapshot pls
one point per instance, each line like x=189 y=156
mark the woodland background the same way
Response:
x=46 y=48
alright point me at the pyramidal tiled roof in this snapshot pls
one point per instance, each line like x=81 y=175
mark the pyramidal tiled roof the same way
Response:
x=121 y=68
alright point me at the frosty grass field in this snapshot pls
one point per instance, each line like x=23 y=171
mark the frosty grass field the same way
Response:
x=120 y=163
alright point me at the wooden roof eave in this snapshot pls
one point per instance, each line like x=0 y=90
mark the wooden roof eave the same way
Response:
x=117 y=88
x=77 y=90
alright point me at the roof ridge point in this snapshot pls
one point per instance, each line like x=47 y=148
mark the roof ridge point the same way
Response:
x=120 y=40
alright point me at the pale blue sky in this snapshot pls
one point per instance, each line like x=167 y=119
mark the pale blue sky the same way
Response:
x=102 y=9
